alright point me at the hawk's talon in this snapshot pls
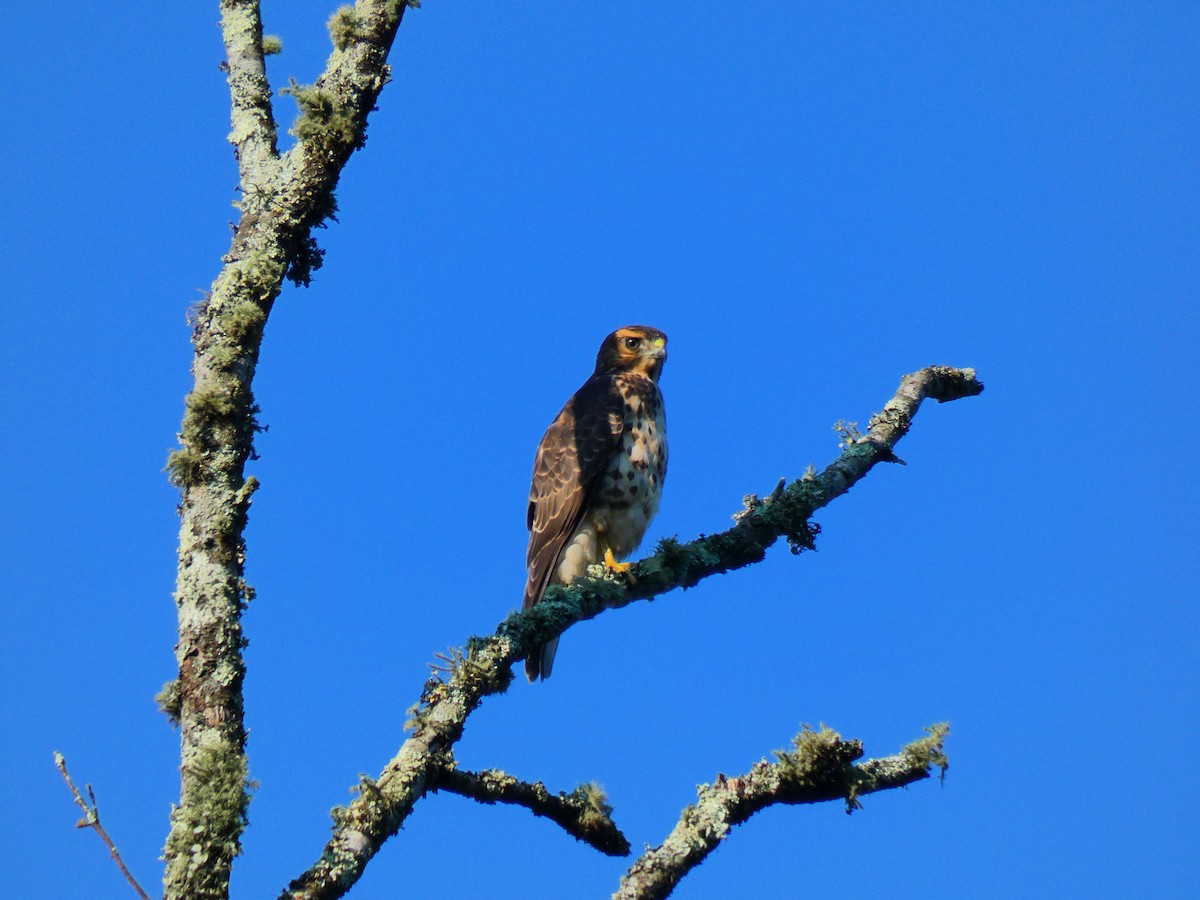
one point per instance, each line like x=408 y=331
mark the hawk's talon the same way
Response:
x=612 y=566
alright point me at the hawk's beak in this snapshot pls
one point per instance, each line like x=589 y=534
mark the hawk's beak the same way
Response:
x=660 y=349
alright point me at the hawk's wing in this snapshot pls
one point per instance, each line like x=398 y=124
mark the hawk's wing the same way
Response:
x=574 y=452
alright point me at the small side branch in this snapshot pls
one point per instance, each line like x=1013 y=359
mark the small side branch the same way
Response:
x=820 y=767
x=584 y=813
x=91 y=819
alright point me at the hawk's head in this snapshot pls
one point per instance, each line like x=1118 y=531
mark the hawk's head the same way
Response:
x=634 y=348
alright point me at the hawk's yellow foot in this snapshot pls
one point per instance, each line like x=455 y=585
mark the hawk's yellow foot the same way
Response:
x=612 y=566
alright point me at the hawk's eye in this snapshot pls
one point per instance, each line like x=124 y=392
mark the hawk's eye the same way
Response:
x=632 y=342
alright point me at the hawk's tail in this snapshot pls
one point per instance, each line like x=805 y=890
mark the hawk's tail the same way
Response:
x=541 y=660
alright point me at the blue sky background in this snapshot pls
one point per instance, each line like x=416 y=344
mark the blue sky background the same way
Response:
x=811 y=200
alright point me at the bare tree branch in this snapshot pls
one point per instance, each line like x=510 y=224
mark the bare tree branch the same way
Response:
x=485 y=669
x=585 y=813
x=91 y=819
x=283 y=199
x=820 y=767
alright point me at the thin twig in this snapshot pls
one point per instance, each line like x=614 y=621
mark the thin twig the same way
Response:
x=283 y=199
x=91 y=819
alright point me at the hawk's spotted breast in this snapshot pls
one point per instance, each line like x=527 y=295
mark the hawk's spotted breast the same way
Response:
x=599 y=470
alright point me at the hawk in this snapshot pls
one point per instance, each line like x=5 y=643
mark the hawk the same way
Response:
x=599 y=471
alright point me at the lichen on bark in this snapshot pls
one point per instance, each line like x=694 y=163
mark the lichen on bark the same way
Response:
x=283 y=198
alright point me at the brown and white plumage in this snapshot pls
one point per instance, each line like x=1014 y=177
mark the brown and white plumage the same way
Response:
x=599 y=470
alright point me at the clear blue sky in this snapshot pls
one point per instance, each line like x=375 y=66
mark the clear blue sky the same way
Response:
x=811 y=200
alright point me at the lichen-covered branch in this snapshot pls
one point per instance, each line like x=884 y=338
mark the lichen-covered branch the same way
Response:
x=486 y=666
x=283 y=199
x=819 y=767
x=584 y=813
x=253 y=134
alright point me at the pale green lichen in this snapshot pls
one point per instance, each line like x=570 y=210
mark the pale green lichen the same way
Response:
x=344 y=27
x=930 y=750
x=272 y=44
x=209 y=400
x=323 y=121
x=258 y=276
x=256 y=198
x=596 y=811
x=170 y=701
x=811 y=752
x=244 y=321
x=206 y=831
x=184 y=468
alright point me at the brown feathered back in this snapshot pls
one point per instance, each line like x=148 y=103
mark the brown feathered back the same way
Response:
x=574 y=450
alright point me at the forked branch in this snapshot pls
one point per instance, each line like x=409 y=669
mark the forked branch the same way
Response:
x=91 y=819
x=819 y=767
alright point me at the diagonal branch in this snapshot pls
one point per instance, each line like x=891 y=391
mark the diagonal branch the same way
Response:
x=819 y=768
x=585 y=813
x=91 y=819
x=485 y=669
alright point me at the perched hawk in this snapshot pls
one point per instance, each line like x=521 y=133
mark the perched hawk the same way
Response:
x=598 y=472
